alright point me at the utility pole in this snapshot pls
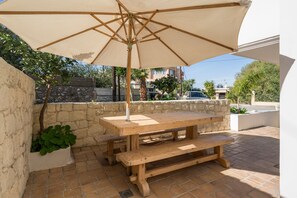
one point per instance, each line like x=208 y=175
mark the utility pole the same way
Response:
x=181 y=81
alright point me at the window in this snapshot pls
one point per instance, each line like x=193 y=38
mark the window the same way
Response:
x=171 y=72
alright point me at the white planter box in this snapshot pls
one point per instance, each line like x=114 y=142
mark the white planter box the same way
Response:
x=240 y=122
x=61 y=157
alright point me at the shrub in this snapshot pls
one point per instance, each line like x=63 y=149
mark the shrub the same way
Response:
x=238 y=110
x=53 y=138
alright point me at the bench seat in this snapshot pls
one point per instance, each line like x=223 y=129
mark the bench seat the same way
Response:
x=138 y=159
x=110 y=139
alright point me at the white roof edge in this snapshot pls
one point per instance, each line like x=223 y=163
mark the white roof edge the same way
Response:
x=259 y=43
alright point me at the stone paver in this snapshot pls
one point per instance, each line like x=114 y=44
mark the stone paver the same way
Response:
x=254 y=173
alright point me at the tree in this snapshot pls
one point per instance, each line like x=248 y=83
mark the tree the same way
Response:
x=261 y=77
x=187 y=85
x=141 y=75
x=47 y=69
x=121 y=73
x=166 y=85
x=209 y=88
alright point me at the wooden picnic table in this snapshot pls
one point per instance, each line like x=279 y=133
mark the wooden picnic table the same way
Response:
x=142 y=123
x=136 y=158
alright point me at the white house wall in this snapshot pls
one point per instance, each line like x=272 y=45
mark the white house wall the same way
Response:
x=261 y=22
x=288 y=113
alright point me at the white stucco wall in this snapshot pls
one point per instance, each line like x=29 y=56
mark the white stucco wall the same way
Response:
x=288 y=113
x=261 y=22
x=240 y=122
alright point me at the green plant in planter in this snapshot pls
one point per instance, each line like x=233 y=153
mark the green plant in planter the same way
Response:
x=53 y=138
x=238 y=110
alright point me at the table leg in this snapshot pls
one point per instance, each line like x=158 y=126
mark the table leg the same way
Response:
x=191 y=132
x=134 y=142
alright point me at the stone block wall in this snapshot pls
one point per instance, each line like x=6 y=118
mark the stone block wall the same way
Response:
x=84 y=117
x=17 y=93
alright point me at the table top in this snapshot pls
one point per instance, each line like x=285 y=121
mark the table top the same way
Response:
x=155 y=122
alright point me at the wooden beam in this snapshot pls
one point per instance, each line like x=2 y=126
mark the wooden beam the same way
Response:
x=147 y=40
x=189 y=33
x=123 y=6
x=145 y=24
x=128 y=74
x=158 y=31
x=75 y=34
x=164 y=43
x=137 y=45
x=122 y=16
x=56 y=13
x=198 y=7
x=110 y=36
x=109 y=28
x=176 y=166
x=108 y=42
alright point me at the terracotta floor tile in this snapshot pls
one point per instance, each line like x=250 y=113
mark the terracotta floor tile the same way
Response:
x=176 y=189
x=187 y=195
x=72 y=192
x=253 y=157
x=189 y=185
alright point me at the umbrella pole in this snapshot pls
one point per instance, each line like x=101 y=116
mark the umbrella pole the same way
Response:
x=128 y=73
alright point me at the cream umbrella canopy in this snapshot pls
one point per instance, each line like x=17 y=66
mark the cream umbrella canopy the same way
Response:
x=128 y=33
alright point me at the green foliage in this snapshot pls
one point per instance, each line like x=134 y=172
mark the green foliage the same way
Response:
x=43 y=66
x=138 y=74
x=52 y=139
x=12 y=47
x=261 y=77
x=187 y=85
x=166 y=85
x=238 y=110
x=209 y=88
x=104 y=77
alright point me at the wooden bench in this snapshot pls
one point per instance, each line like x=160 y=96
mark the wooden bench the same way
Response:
x=138 y=159
x=111 y=139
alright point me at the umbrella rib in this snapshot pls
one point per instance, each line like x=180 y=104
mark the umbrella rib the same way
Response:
x=123 y=6
x=109 y=41
x=147 y=40
x=176 y=54
x=210 y=6
x=145 y=24
x=55 y=13
x=116 y=39
x=158 y=31
x=191 y=34
x=137 y=46
x=122 y=16
x=110 y=29
x=75 y=34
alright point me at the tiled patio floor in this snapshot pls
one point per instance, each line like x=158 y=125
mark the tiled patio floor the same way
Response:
x=254 y=173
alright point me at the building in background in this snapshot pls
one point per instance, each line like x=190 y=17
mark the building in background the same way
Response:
x=221 y=91
x=172 y=71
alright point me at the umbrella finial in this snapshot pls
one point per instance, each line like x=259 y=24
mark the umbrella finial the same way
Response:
x=246 y=3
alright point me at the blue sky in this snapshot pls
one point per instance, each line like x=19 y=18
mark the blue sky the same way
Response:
x=221 y=70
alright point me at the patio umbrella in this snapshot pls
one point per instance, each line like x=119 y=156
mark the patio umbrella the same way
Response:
x=128 y=33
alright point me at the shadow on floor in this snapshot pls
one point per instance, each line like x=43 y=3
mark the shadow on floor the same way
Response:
x=253 y=157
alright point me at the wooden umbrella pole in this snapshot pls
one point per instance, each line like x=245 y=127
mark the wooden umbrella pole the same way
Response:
x=128 y=73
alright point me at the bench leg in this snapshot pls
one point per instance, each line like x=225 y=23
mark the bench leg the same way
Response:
x=139 y=172
x=175 y=135
x=191 y=132
x=220 y=151
x=110 y=153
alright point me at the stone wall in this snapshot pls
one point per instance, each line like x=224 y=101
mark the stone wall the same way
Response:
x=84 y=117
x=67 y=94
x=17 y=92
